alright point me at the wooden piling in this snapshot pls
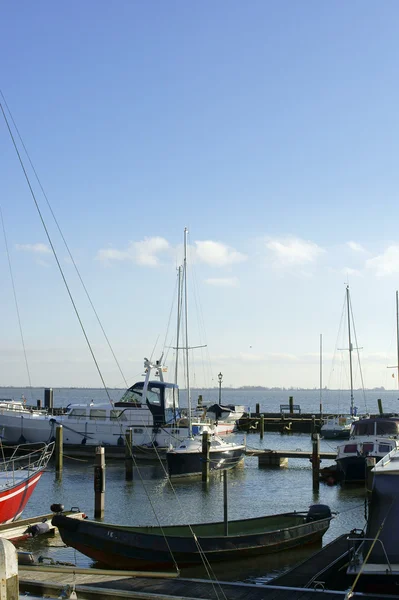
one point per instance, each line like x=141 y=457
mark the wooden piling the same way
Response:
x=316 y=461
x=9 y=588
x=99 y=483
x=380 y=409
x=257 y=408
x=129 y=454
x=291 y=401
x=58 y=451
x=262 y=427
x=206 y=444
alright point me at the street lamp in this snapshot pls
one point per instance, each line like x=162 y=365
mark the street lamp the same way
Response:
x=220 y=377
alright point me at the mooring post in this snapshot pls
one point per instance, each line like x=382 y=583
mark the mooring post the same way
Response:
x=9 y=588
x=262 y=427
x=129 y=454
x=316 y=461
x=58 y=450
x=257 y=409
x=225 y=504
x=291 y=401
x=206 y=444
x=48 y=398
x=313 y=425
x=99 y=483
x=380 y=406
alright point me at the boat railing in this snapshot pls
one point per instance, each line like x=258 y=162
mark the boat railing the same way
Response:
x=357 y=550
x=32 y=460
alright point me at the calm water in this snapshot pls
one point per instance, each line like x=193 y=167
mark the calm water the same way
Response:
x=251 y=491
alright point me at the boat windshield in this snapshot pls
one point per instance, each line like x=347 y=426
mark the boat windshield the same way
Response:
x=133 y=395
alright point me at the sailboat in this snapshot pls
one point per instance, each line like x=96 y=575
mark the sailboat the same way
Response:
x=339 y=426
x=19 y=475
x=186 y=459
x=369 y=438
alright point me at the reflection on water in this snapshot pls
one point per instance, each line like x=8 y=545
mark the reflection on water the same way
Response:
x=150 y=499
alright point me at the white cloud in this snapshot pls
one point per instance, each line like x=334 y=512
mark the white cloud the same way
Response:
x=386 y=263
x=144 y=253
x=291 y=252
x=223 y=281
x=38 y=248
x=217 y=254
x=356 y=247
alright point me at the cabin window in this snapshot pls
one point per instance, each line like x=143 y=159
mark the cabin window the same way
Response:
x=135 y=396
x=363 y=428
x=118 y=414
x=77 y=412
x=387 y=428
x=97 y=413
x=154 y=395
x=384 y=448
x=350 y=448
x=368 y=447
x=137 y=430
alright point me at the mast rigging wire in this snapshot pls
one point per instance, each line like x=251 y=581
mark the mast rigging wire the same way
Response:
x=54 y=252
x=16 y=302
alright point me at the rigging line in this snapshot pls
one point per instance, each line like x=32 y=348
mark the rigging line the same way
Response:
x=54 y=252
x=358 y=356
x=205 y=561
x=64 y=240
x=16 y=303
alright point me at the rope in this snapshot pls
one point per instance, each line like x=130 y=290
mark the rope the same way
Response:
x=54 y=251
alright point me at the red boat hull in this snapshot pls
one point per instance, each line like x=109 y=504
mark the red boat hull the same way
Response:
x=13 y=499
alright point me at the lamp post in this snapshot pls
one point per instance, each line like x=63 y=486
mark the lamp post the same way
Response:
x=220 y=377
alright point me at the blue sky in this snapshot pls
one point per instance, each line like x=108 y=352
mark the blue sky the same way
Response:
x=270 y=130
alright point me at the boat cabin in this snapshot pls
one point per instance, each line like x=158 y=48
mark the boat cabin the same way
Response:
x=380 y=426
x=162 y=399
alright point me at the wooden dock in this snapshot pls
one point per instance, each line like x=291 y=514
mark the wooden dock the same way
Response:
x=96 y=586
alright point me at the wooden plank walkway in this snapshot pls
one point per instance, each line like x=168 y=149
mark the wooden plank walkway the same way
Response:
x=112 y=587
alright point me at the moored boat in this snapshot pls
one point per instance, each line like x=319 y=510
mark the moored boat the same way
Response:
x=187 y=458
x=372 y=437
x=19 y=475
x=375 y=561
x=122 y=547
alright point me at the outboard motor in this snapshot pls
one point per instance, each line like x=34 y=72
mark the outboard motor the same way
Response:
x=317 y=512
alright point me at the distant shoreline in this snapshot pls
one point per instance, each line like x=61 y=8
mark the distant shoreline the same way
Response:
x=245 y=388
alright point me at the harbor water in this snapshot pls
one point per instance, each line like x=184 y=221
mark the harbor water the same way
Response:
x=151 y=499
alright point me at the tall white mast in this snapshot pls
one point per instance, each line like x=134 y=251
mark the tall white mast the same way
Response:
x=397 y=333
x=186 y=327
x=350 y=346
x=321 y=373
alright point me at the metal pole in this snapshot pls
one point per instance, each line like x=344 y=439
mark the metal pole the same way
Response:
x=225 y=504
x=350 y=346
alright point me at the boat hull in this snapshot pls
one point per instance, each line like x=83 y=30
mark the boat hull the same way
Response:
x=352 y=468
x=14 y=498
x=182 y=464
x=133 y=548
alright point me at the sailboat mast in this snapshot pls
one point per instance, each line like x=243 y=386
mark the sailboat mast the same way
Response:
x=321 y=373
x=186 y=327
x=397 y=332
x=350 y=346
x=179 y=297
